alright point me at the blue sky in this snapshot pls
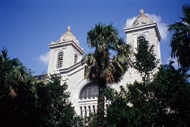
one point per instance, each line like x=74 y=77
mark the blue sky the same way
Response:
x=27 y=27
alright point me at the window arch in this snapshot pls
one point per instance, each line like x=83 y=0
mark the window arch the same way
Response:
x=75 y=58
x=140 y=38
x=89 y=91
x=60 y=60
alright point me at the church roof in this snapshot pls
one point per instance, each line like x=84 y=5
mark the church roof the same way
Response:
x=68 y=36
x=142 y=19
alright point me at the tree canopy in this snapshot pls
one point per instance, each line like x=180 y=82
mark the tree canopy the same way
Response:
x=163 y=100
x=180 y=40
x=24 y=102
x=109 y=61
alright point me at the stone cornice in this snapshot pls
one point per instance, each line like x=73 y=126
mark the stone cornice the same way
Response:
x=146 y=26
x=59 y=44
x=78 y=66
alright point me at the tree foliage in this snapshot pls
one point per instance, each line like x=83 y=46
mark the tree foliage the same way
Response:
x=136 y=110
x=171 y=91
x=145 y=60
x=180 y=40
x=163 y=100
x=17 y=100
x=24 y=102
x=53 y=104
x=139 y=94
x=167 y=101
x=118 y=113
x=109 y=61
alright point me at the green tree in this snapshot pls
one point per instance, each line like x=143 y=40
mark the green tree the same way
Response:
x=138 y=95
x=180 y=40
x=132 y=107
x=171 y=95
x=12 y=72
x=163 y=100
x=167 y=101
x=17 y=101
x=54 y=106
x=109 y=61
x=118 y=112
x=24 y=102
x=145 y=61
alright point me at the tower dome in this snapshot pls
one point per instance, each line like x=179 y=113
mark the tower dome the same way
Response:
x=68 y=36
x=142 y=19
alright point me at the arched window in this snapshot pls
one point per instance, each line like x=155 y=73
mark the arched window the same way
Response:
x=89 y=91
x=139 y=39
x=60 y=60
x=75 y=58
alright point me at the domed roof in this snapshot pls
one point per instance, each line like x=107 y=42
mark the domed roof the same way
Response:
x=142 y=19
x=68 y=36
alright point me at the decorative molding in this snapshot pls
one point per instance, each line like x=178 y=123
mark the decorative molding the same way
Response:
x=143 y=27
x=77 y=47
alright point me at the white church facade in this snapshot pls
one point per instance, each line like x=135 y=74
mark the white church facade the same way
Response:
x=66 y=54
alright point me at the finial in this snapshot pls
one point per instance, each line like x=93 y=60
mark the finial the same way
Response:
x=141 y=12
x=69 y=29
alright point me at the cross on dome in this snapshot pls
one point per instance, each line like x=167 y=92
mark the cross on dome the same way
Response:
x=67 y=36
x=69 y=29
x=141 y=12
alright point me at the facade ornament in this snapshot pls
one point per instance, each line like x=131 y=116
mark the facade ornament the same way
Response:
x=65 y=78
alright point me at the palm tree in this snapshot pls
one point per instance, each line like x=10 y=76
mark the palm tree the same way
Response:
x=12 y=72
x=17 y=100
x=180 y=40
x=110 y=60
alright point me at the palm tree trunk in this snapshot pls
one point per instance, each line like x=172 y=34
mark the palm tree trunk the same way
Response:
x=100 y=110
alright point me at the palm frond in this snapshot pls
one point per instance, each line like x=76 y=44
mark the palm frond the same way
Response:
x=108 y=49
x=107 y=74
x=186 y=13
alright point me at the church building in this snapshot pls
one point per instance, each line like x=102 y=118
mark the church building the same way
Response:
x=66 y=54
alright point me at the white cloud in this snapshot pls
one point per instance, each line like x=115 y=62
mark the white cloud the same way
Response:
x=175 y=64
x=44 y=58
x=161 y=25
x=130 y=21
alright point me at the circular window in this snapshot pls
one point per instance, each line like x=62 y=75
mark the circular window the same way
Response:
x=89 y=91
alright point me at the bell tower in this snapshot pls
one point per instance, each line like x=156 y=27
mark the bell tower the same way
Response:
x=64 y=53
x=144 y=27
